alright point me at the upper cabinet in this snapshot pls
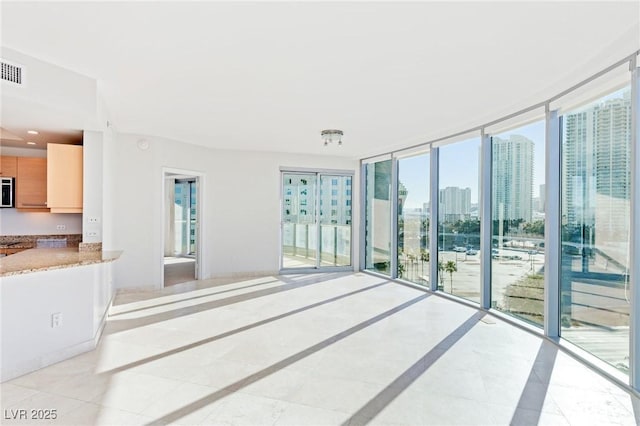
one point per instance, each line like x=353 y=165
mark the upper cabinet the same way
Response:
x=64 y=178
x=31 y=184
x=8 y=166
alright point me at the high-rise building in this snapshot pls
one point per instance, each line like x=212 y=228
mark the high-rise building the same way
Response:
x=512 y=176
x=542 y=198
x=578 y=180
x=335 y=200
x=612 y=133
x=455 y=203
x=402 y=196
x=596 y=179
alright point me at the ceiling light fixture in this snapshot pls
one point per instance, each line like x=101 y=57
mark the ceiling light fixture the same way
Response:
x=32 y=132
x=31 y=143
x=331 y=136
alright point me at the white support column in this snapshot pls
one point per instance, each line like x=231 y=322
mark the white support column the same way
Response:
x=485 y=221
x=363 y=216
x=394 y=217
x=434 y=202
x=634 y=267
x=318 y=230
x=552 y=227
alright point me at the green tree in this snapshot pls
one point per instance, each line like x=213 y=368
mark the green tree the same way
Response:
x=451 y=267
x=441 y=273
x=424 y=257
x=401 y=258
x=536 y=227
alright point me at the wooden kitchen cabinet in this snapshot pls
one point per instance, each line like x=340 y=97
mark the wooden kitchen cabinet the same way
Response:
x=8 y=166
x=31 y=184
x=64 y=178
x=9 y=251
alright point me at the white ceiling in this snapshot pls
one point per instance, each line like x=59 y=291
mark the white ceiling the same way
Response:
x=271 y=76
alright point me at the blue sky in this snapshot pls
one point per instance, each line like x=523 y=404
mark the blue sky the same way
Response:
x=459 y=166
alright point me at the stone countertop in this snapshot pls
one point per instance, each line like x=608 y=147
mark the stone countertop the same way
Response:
x=46 y=259
x=21 y=246
x=29 y=241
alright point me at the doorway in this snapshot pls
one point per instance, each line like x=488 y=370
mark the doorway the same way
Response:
x=316 y=231
x=181 y=228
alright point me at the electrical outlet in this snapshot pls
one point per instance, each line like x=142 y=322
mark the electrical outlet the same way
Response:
x=61 y=227
x=94 y=220
x=92 y=234
x=56 y=319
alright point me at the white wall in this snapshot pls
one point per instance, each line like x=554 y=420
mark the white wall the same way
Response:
x=13 y=222
x=49 y=85
x=92 y=190
x=28 y=341
x=241 y=209
x=23 y=152
x=108 y=187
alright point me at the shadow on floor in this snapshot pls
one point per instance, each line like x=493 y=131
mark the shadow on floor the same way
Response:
x=376 y=404
x=242 y=383
x=126 y=324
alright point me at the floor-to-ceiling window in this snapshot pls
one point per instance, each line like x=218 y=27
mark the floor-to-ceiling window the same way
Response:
x=558 y=198
x=517 y=217
x=458 y=220
x=596 y=182
x=378 y=217
x=413 y=219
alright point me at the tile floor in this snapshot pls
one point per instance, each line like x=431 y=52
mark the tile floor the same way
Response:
x=325 y=349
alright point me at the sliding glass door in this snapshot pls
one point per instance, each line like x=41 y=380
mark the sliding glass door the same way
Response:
x=316 y=220
x=299 y=220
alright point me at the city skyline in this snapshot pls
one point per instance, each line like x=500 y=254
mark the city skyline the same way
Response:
x=459 y=165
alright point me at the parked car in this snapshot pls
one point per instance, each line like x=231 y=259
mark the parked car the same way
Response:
x=471 y=252
x=460 y=249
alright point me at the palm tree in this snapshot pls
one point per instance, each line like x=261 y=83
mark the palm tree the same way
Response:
x=440 y=273
x=412 y=260
x=424 y=257
x=451 y=267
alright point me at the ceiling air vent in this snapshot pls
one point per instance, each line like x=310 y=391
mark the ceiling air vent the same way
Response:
x=11 y=72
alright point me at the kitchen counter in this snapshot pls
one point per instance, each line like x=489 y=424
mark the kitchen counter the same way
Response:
x=20 y=246
x=30 y=241
x=45 y=259
x=53 y=305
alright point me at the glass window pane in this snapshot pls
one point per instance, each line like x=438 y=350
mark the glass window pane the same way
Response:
x=596 y=172
x=335 y=223
x=413 y=219
x=517 y=203
x=378 y=217
x=299 y=221
x=458 y=222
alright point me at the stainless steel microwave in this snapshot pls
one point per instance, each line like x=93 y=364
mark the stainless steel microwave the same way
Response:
x=8 y=192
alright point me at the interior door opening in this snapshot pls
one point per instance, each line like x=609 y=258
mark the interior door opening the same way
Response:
x=181 y=233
